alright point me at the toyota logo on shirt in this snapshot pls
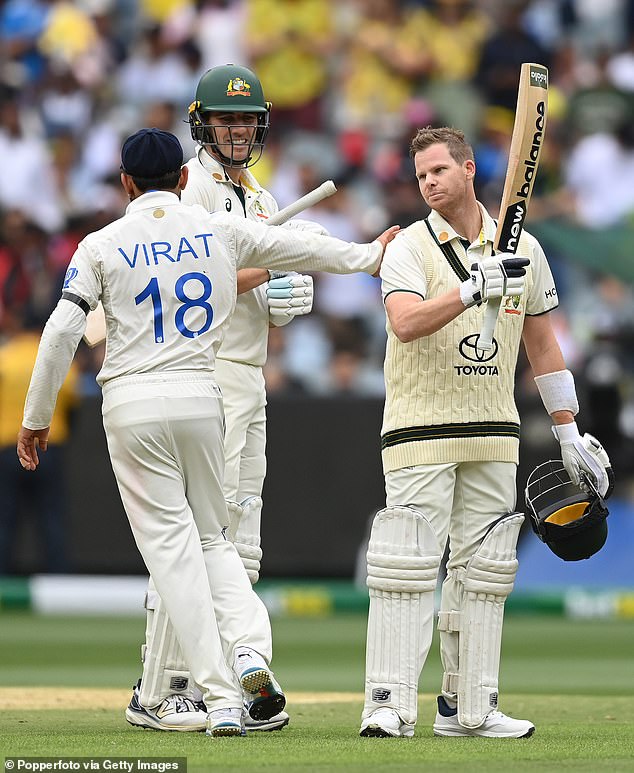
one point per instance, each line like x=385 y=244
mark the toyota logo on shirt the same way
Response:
x=468 y=348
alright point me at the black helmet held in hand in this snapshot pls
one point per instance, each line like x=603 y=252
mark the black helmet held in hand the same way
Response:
x=570 y=519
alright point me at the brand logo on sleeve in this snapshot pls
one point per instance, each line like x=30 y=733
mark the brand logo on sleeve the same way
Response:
x=70 y=275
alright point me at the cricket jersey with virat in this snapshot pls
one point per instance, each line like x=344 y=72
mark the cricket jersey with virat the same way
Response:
x=446 y=400
x=166 y=275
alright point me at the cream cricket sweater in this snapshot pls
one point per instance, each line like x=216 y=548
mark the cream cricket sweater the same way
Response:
x=446 y=401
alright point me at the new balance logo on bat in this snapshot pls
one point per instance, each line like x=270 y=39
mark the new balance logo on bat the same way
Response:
x=530 y=163
x=512 y=227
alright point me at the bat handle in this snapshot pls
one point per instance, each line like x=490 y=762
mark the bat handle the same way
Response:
x=485 y=339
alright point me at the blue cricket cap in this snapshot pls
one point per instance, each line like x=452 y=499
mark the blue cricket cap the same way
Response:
x=151 y=154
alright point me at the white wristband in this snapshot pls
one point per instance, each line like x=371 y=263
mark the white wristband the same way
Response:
x=566 y=433
x=557 y=391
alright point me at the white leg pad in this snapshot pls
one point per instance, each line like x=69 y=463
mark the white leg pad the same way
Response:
x=164 y=669
x=244 y=532
x=488 y=580
x=403 y=562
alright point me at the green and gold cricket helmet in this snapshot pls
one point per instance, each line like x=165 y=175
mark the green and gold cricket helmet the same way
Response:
x=570 y=519
x=229 y=89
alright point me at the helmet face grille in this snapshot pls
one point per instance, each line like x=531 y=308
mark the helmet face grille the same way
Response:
x=571 y=521
x=205 y=135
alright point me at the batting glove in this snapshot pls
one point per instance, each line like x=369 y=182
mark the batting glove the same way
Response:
x=584 y=457
x=494 y=277
x=288 y=296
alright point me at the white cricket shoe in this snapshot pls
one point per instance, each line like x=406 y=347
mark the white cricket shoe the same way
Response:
x=264 y=695
x=385 y=723
x=173 y=713
x=222 y=723
x=496 y=724
x=264 y=725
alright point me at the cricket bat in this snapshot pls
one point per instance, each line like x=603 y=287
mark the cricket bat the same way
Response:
x=313 y=197
x=526 y=146
x=96 y=322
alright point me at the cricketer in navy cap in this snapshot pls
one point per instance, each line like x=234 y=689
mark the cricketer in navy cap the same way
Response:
x=151 y=154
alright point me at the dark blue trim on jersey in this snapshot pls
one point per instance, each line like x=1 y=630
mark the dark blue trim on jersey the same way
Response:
x=445 y=431
x=85 y=307
x=413 y=292
x=450 y=254
x=240 y=194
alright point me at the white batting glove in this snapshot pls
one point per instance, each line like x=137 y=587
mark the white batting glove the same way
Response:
x=288 y=296
x=584 y=457
x=494 y=277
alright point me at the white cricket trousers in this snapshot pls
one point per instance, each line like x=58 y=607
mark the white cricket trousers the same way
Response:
x=461 y=501
x=244 y=398
x=165 y=437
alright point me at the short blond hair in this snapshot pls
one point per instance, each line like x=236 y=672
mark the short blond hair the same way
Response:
x=459 y=148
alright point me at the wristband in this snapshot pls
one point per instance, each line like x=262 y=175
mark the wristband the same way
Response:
x=566 y=433
x=557 y=391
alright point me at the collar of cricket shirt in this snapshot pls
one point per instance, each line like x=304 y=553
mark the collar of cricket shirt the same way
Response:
x=212 y=165
x=446 y=233
x=217 y=171
x=151 y=200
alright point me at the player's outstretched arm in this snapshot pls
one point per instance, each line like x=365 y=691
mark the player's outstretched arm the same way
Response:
x=281 y=249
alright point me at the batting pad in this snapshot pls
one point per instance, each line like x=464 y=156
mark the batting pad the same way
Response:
x=488 y=580
x=244 y=532
x=403 y=562
x=164 y=669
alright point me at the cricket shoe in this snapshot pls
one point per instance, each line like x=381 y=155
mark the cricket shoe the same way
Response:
x=495 y=725
x=385 y=723
x=223 y=723
x=264 y=695
x=174 y=713
x=276 y=722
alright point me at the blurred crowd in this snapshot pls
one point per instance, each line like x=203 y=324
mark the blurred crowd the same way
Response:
x=350 y=81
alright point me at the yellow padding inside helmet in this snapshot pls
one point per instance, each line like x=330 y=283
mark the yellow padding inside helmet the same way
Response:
x=568 y=514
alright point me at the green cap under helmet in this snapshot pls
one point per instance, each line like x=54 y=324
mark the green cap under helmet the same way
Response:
x=229 y=88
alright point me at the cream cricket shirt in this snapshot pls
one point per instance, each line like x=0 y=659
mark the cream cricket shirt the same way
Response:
x=447 y=401
x=246 y=339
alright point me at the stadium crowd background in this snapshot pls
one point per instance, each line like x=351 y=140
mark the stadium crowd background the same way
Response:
x=349 y=82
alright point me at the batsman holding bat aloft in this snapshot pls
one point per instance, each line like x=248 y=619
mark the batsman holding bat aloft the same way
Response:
x=450 y=442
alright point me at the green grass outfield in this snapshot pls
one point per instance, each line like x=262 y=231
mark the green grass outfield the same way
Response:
x=574 y=679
